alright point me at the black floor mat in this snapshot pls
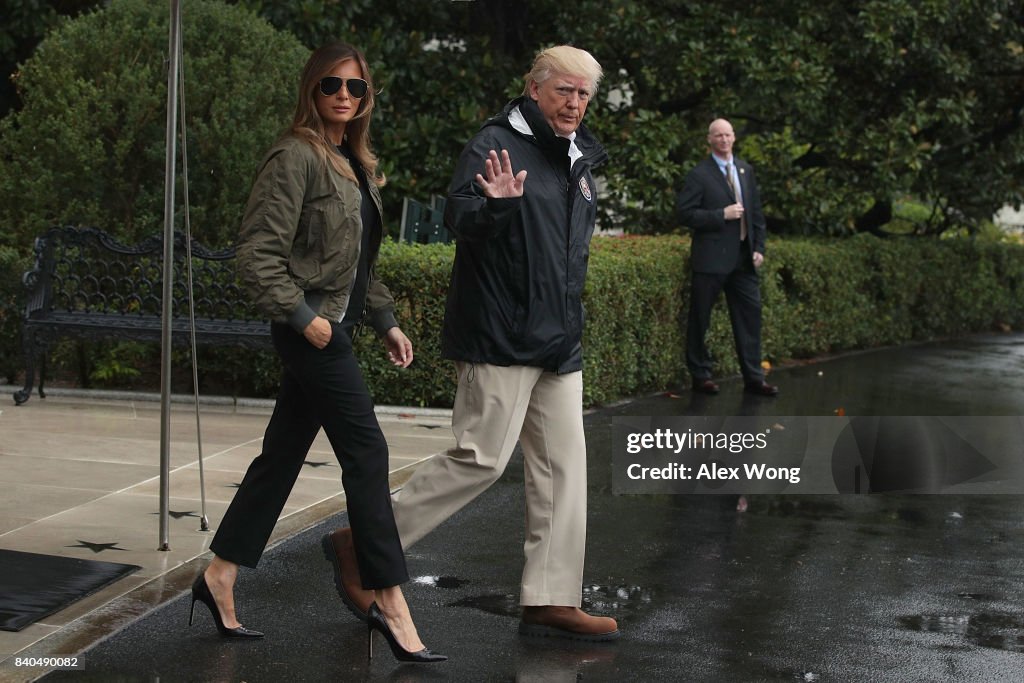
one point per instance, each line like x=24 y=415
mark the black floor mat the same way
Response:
x=33 y=586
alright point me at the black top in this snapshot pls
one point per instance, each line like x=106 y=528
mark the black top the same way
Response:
x=370 y=219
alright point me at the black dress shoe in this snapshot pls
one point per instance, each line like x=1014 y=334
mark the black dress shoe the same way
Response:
x=761 y=388
x=705 y=386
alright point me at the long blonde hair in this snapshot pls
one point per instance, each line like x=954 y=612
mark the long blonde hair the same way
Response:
x=308 y=125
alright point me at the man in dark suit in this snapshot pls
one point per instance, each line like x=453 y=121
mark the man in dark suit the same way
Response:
x=720 y=203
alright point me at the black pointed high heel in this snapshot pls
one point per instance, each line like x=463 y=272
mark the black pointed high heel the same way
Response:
x=201 y=592
x=376 y=620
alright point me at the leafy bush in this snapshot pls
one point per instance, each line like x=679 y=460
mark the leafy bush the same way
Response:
x=632 y=341
x=826 y=296
x=820 y=296
x=12 y=302
x=834 y=148
x=24 y=25
x=836 y=151
x=417 y=276
x=88 y=145
x=632 y=302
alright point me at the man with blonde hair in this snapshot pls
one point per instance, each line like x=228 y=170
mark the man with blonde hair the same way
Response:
x=513 y=325
x=721 y=203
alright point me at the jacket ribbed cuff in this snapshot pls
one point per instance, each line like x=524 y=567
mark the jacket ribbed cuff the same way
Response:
x=301 y=317
x=382 y=320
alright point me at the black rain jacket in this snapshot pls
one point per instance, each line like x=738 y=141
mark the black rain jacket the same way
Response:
x=520 y=263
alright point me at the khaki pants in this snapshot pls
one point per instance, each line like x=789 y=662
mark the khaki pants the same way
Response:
x=495 y=407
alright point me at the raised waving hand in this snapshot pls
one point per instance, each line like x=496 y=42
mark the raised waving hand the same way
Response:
x=498 y=180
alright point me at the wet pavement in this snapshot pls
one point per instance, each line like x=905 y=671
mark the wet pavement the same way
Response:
x=796 y=588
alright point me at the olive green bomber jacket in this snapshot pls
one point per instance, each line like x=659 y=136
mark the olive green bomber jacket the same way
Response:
x=300 y=238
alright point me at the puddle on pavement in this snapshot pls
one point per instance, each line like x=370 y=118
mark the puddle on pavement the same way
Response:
x=447 y=582
x=791 y=675
x=610 y=600
x=976 y=596
x=615 y=600
x=996 y=631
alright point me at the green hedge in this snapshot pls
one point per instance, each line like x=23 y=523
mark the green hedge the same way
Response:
x=417 y=276
x=632 y=290
x=632 y=341
x=12 y=305
x=822 y=297
x=819 y=297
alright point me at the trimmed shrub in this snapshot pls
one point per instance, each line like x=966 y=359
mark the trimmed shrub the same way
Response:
x=827 y=296
x=88 y=146
x=819 y=296
x=417 y=276
x=632 y=342
x=12 y=303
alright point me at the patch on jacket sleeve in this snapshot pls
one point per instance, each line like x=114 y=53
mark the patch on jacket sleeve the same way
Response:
x=585 y=189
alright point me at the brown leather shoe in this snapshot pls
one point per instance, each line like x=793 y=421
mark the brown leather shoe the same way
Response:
x=761 y=388
x=552 y=621
x=705 y=386
x=341 y=553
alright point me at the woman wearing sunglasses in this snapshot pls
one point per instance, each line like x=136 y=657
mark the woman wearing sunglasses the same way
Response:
x=310 y=235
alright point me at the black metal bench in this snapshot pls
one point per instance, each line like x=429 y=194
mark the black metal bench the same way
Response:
x=87 y=285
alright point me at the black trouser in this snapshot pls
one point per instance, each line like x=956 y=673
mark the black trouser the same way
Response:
x=319 y=387
x=743 y=296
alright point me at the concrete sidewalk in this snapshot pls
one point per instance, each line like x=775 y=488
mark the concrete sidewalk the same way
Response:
x=79 y=477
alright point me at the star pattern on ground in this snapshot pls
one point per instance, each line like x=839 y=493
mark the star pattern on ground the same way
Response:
x=314 y=465
x=96 y=547
x=179 y=515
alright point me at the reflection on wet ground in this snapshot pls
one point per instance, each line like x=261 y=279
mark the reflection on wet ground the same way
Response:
x=997 y=631
x=502 y=605
x=449 y=582
x=618 y=600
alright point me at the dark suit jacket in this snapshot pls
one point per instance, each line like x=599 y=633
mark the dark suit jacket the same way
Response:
x=701 y=205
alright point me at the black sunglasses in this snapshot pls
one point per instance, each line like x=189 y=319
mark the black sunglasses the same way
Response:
x=331 y=84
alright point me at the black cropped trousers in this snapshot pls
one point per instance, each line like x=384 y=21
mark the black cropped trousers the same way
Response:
x=319 y=388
